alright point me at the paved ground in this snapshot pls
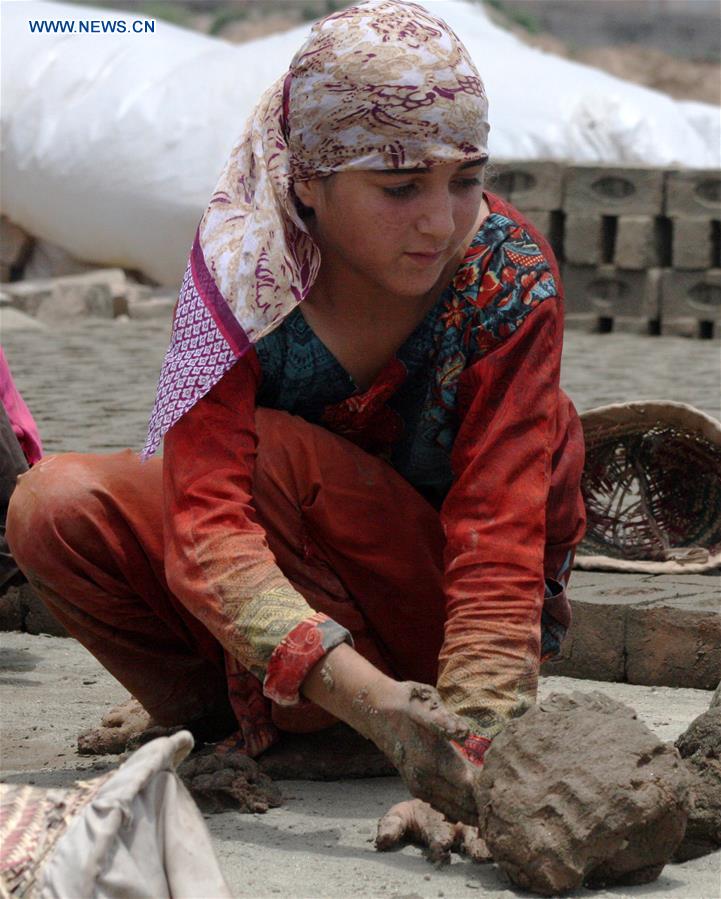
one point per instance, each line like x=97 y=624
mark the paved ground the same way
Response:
x=319 y=843
x=91 y=386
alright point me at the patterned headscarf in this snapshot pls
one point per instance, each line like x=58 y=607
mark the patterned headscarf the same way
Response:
x=383 y=85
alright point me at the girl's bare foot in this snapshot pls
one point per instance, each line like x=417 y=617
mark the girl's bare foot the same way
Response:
x=127 y=726
x=416 y=822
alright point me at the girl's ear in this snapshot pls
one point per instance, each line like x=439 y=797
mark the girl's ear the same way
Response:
x=305 y=193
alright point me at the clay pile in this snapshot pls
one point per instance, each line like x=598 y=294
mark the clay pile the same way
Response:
x=578 y=791
x=700 y=747
x=220 y=781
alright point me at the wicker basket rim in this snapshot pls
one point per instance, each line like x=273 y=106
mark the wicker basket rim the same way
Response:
x=606 y=422
x=642 y=415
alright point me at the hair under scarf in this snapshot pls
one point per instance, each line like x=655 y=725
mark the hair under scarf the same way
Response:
x=382 y=85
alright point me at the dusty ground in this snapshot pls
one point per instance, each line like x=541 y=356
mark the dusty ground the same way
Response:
x=319 y=844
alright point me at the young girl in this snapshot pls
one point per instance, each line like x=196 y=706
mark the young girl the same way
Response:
x=370 y=480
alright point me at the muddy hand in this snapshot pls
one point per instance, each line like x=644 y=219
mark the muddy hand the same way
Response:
x=416 y=822
x=415 y=732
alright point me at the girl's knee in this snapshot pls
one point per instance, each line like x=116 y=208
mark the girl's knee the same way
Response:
x=45 y=497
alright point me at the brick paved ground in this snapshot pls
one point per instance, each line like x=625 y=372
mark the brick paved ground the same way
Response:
x=91 y=387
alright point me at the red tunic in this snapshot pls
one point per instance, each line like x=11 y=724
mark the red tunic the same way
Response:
x=511 y=514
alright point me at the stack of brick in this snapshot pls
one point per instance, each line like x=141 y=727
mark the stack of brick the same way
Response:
x=691 y=291
x=536 y=189
x=640 y=248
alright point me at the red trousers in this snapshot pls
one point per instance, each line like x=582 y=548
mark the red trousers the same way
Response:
x=87 y=531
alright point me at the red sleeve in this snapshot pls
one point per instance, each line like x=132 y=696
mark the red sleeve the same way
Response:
x=218 y=562
x=495 y=522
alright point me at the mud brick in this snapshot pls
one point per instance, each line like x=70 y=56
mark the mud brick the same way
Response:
x=693 y=242
x=611 y=190
x=608 y=298
x=583 y=239
x=691 y=303
x=673 y=646
x=664 y=629
x=529 y=185
x=99 y=293
x=639 y=242
x=696 y=192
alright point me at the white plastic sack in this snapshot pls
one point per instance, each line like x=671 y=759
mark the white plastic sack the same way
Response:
x=135 y=834
x=112 y=143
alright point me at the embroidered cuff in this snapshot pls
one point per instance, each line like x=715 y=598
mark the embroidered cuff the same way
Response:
x=473 y=748
x=296 y=654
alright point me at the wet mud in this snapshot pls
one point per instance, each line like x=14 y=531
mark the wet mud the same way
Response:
x=223 y=780
x=700 y=748
x=578 y=791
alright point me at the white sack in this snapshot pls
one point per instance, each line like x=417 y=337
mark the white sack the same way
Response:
x=112 y=143
x=140 y=837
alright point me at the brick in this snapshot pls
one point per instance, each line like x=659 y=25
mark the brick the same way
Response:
x=639 y=242
x=660 y=630
x=15 y=244
x=98 y=293
x=583 y=239
x=529 y=185
x=695 y=192
x=21 y=609
x=550 y=224
x=598 y=295
x=12 y=610
x=612 y=190
x=72 y=300
x=593 y=648
x=673 y=647
x=691 y=303
x=542 y=219
x=693 y=242
x=153 y=308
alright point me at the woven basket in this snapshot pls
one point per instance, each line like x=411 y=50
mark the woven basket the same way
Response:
x=652 y=488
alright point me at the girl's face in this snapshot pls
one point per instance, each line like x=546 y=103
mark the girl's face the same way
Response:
x=396 y=229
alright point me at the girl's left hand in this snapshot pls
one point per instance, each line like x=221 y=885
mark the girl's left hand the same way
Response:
x=417 y=822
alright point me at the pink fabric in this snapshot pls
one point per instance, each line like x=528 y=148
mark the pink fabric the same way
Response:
x=19 y=415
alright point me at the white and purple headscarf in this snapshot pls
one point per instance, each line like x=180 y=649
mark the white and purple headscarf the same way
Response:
x=383 y=85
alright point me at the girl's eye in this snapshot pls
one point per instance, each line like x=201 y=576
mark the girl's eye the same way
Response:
x=401 y=192
x=467 y=183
